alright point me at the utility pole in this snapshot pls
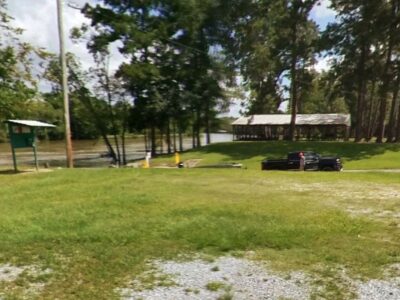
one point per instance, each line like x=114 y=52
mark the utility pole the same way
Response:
x=68 y=142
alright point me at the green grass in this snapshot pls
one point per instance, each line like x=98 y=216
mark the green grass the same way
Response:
x=96 y=228
x=355 y=156
x=215 y=286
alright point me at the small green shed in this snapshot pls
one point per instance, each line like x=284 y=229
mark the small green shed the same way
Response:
x=23 y=135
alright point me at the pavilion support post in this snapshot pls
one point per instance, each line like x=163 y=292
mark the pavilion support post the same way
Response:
x=347 y=133
x=309 y=133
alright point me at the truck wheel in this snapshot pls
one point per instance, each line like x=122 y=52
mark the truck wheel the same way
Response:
x=327 y=169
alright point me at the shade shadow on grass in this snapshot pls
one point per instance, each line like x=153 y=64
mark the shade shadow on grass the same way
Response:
x=12 y=172
x=363 y=155
x=278 y=149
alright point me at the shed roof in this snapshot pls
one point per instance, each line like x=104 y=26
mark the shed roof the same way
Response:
x=30 y=123
x=301 y=119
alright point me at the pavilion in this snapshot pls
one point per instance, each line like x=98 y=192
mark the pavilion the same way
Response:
x=308 y=126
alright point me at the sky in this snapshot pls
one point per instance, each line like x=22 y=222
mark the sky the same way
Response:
x=38 y=18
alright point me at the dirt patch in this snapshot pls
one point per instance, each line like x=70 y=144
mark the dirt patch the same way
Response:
x=9 y=272
x=191 y=163
x=24 y=281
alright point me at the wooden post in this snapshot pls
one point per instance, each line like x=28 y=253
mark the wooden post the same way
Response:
x=14 y=159
x=35 y=155
x=63 y=60
x=12 y=149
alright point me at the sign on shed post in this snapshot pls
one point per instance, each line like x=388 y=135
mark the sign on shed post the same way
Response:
x=23 y=135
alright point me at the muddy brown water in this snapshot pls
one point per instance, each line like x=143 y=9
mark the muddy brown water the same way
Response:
x=87 y=153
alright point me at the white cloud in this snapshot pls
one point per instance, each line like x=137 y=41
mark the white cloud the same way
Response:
x=38 y=18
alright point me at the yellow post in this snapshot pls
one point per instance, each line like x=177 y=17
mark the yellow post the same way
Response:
x=177 y=158
x=147 y=161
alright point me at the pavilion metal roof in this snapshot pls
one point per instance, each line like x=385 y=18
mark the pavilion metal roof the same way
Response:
x=30 y=123
x=301 y=119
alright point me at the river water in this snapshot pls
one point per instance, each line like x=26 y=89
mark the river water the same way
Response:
x=87 y=153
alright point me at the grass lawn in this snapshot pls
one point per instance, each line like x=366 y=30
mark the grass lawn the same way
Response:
x=95 y=229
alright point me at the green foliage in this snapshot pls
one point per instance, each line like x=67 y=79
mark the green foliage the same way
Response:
x=270 y=41
x=20 y=98
x=365 y=39
x=223 y=124
x=320 y=97
x=82 y=125
x=170 y=73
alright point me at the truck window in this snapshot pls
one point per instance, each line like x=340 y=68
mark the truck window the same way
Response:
x=293 y=156
x=310 y=155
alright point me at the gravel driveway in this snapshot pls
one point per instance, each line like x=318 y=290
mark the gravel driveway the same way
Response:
x=240 y=279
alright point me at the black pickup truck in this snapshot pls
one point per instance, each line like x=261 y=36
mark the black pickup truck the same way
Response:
x=313 y=161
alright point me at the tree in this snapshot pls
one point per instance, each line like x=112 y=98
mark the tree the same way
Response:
x=272 y=41
x=167 y=45
x=20 y=70
x=361 y=37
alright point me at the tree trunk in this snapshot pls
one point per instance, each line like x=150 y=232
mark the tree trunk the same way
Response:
x=153 y=141
x=208 y=134
x=162 y=142
x=100 y=126
x=146 y=141
x=386 y=78
x=168 y=137
x=117 y=147
x=194 y=134
x=361 y=92
x=110 y=148
x=393 y=109
x=180 y=141
x=370 y=112
x=125 y=125
x=112 y=116
x=174 y=135
x=123 y=146
x=293 y=85
x=198 y=127
x=375 y=118
x=397 y=135
x=207 y=122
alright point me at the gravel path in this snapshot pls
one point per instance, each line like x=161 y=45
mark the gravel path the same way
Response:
x=242 y=279
x=379 y=290
x=227 y=277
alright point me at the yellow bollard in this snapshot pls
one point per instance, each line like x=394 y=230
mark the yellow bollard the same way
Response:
x=147 y=160
x=146 y=164
x=177 y=158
